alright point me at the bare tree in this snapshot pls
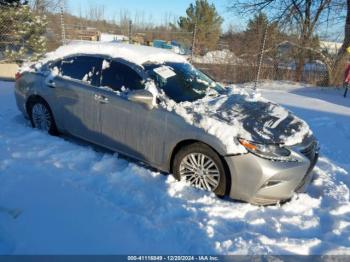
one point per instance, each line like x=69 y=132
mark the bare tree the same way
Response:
x=346 y=42
x=43 y=6
x=301 y=16
x=96 y=12
x=337 y=69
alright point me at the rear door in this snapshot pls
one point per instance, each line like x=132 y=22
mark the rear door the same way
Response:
x=74 y=89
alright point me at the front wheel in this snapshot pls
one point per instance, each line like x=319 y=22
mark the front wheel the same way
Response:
x=201 y=167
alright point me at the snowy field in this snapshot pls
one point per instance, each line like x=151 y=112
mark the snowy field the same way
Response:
x=76 y=199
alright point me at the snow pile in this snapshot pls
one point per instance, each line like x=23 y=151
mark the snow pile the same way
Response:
x=331 y=47
x=224 y=56
x=226 y=118
x=199 y=114
x=76 y=199
x=275 y=85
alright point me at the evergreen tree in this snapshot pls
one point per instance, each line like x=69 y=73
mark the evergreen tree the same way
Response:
x=12 y=2
x=208 y=25
x=256 y=28
x=24 y=33
x=253 y=36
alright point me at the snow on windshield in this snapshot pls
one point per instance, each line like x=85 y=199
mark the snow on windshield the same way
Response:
x=181 y=81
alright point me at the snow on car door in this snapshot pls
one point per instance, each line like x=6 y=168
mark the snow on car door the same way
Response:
x=75 y=91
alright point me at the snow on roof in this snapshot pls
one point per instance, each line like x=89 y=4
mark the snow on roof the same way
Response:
x=331 y=46
x=133 y=53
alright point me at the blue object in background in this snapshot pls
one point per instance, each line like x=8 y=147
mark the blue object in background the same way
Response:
x=173 y=44
x=162 y=44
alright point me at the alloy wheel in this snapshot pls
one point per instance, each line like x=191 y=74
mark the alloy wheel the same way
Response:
x=41 y=117
x=200 y=171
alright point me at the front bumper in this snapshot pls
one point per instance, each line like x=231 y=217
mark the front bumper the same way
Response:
x=263 y=182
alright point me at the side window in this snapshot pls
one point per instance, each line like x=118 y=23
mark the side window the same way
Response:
x=54 y=65
x=84 y=68
x=119 y=76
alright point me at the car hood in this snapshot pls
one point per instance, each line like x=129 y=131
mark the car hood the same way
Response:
x=240 y=114
x=266 y=122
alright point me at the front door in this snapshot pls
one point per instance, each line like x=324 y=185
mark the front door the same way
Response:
x=128 y=126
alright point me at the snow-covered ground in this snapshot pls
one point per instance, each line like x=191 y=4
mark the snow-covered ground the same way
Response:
x=76 y=199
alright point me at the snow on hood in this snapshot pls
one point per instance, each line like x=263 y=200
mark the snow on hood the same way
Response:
x=240 y=114
x=136 y=54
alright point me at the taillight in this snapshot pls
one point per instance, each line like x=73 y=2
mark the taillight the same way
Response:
x=18 y=76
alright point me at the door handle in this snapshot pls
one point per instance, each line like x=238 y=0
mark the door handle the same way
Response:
x=102 y=99
x=51 y=83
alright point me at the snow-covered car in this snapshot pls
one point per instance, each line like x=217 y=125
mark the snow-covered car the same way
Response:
x=154 y=106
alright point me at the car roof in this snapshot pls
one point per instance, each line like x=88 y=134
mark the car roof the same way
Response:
x=136 y=54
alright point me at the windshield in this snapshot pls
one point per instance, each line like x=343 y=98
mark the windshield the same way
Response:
x=182 y=82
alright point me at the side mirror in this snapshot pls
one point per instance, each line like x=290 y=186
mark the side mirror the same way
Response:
x=143 y=97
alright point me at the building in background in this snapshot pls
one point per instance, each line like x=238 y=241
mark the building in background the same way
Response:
x=78 y=32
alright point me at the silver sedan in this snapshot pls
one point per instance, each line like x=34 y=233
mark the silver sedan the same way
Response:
x=135 y=100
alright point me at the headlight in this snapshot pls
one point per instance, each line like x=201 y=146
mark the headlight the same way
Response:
x=271 y=152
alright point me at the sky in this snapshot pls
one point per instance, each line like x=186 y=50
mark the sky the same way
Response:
x=157 y=8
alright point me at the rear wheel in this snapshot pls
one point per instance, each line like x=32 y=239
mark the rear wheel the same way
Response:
x=201 y=167
x=41 y=117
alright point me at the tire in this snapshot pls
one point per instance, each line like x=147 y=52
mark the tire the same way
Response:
x=211 y=178
x=41 y=117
